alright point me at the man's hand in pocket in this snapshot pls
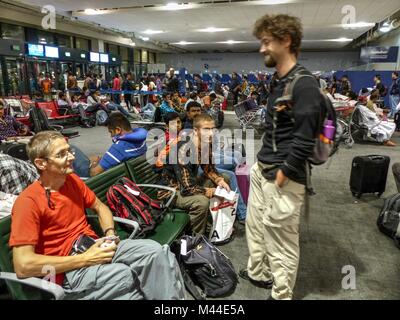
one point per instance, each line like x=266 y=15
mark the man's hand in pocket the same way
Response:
x=280 y=179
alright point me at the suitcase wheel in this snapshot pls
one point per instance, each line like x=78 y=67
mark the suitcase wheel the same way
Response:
x=357 y=195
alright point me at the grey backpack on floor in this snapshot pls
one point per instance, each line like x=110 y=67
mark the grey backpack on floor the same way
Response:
x=389 y=218
x=101 y=117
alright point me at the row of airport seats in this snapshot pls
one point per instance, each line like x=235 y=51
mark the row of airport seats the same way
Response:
x=224 y=78
x=174 y=224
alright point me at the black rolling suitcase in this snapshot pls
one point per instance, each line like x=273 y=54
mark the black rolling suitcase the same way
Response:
x=15 y=149
x=368 y=174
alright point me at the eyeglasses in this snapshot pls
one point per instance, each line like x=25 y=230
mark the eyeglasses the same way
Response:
x=64 y=154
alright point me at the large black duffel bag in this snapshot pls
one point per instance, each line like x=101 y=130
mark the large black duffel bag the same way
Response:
x=14 y=149
x=207 y=266
x=389 y=218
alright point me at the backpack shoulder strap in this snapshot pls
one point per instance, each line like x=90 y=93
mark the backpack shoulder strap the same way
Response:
x=288 y=93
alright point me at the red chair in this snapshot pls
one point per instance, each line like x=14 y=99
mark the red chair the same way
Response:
x=52 y=111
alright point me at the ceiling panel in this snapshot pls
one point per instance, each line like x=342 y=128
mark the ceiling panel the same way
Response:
x=321 y=19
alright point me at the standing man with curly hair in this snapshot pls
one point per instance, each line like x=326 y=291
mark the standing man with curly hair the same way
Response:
x=278 y=178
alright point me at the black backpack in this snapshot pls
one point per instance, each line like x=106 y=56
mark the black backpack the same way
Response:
x=39 y=120
x=207 y=266
x=322 y=150
x=389 y=218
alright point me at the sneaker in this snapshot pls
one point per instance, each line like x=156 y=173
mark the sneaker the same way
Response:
x=262 y=284
x=86 y=125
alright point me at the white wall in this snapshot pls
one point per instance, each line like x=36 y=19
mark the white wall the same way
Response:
x=253 y=62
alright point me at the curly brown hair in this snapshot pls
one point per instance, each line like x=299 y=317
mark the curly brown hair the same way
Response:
x=279 y=26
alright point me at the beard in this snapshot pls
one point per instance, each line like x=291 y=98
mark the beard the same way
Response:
x=269 y=61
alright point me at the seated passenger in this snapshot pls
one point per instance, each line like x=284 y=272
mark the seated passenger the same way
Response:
x=15 y=174
x=177 y=102
x=106 y=103
x=372 y=103
x=79 y=107
x=251 y=102
x=166 y=105
x=10 y=128
x=42 y=235
x=193 y=109
x=127 y=143
x=194 y=192
x=62 y=100
x=225 y=160
x=37 y=97
x=382 y=129
x=193 y=97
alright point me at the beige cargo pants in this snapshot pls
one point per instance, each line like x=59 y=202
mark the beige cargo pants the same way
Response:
x=272 y=232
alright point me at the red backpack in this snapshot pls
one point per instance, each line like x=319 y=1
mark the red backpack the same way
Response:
x=126 y=200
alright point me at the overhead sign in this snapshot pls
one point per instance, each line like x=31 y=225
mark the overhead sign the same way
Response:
x=104 y=57
x=51 y=52
x=379 y=54
x=35 y=50
x=94 y=57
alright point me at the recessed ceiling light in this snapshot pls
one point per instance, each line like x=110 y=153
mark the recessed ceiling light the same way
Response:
x=386 y=27
x=145 y=38
x=212 y=29
x=358 y=25
x=342 y=39
x=149 y=31
x=91 y=11
x=331 y=40
x=173 y=6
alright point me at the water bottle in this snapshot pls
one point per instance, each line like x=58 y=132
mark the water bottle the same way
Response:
x=329 y=130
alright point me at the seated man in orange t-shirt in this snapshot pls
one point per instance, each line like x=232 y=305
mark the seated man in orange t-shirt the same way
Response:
x=49 y=216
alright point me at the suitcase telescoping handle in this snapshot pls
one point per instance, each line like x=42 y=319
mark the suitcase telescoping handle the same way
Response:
x=376 y=157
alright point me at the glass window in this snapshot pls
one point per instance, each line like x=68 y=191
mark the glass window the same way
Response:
x=11 y=31
x=124 y=53
x=83 y=44
x=151 y=57
x=144 y=56
x=45 y=37
x=63 y=40
x=112 y=48
x=136 y=55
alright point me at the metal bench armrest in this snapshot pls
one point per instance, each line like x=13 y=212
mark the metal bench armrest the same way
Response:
x=44 y=285
x=173 y=191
